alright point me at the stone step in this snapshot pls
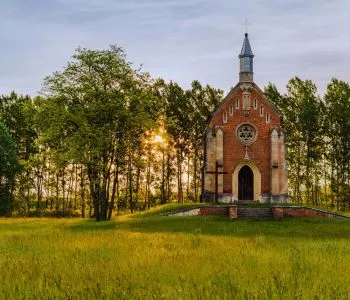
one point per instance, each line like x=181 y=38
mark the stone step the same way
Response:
x=254 y=213
x=245 y=202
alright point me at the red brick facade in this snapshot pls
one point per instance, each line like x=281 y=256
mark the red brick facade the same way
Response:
x=234 y=150
x=230 y=115
x=244 y=140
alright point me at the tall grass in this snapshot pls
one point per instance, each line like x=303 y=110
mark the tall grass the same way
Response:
x=174 y=258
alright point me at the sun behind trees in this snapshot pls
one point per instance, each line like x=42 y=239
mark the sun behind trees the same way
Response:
x=91 y=129
x=105 y=137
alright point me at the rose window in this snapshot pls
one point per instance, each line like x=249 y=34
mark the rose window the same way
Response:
x=246 y=133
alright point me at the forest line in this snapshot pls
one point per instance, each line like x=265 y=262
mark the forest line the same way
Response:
x=105 y=137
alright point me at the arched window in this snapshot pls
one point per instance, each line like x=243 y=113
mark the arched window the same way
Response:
x=267 y=118
x=261 y=110
x=237 y=103
x=231 y=110
x=255 y=104
x=224 y=117
x=246 y=102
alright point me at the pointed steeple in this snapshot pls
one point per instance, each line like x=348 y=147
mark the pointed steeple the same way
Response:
x=246 y=61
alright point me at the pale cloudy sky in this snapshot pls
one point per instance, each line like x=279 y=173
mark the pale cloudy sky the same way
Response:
x=178 y=40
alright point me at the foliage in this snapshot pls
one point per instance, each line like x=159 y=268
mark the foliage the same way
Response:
x=337 y=133
x=9 y=168
x=303 y=116
x=17 y=113
x=105 y=138
x=97 y=110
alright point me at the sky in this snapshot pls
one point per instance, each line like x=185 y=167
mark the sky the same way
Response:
x=179 y=40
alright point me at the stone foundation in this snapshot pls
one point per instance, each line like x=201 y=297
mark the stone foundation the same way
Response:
x=304 y=212
x=214 y=210
x=278 y=212
x=230 y=199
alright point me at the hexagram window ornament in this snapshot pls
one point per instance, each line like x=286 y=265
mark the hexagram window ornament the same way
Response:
x=246 y=133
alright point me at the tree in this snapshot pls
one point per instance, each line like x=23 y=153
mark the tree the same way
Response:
x=202 y=101
x=17 y=113
x=337 y=131
x=302 y=112
x=98 y=103
x=9 y=168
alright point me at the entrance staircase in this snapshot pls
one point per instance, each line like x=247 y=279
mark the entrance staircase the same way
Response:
x=246 y=202
x=261 y=213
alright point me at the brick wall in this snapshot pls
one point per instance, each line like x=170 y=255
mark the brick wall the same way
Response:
x=234 y=151
x=302 y=212
x=214 y=211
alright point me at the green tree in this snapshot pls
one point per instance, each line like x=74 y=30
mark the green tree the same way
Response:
x=302 y=118
x=18 y=113
x=202 y=101
x=9 y=168
x=177 y=127
x=96 y=103
x=337 y=129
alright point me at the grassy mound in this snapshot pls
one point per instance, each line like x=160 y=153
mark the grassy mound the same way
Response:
x=166 y=208
x=143 y=257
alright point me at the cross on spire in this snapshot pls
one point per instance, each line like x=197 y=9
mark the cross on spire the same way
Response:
x=246 y=23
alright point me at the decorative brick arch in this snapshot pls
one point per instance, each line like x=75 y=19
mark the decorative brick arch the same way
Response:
x=257 y=180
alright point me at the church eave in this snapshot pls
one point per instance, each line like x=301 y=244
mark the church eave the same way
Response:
x=230 y=93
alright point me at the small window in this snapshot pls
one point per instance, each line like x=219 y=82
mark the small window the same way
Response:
x=237 y=103
x=267 y=118
x=231 y=110
x=246 y=102
x=261 y=110
x=224 y=117
x=255 y=104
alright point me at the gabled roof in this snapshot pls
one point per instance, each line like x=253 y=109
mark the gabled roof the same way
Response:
x=230 y=94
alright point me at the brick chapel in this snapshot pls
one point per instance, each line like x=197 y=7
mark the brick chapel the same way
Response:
x=244 y=147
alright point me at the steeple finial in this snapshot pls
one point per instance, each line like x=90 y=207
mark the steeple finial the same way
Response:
x=246 y=26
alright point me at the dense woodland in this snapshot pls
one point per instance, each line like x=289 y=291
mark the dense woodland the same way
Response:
x=105 y=137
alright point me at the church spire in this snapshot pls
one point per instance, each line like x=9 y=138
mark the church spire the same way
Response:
x=246 y=61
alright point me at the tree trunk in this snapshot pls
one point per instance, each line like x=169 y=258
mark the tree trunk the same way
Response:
x=57 y=191
x=82 y=193
x=39 y=192
x=168 y=178
x=130 y=184
x=179 y=177
x=195 y=174
x=114 y=189
x=63 y=182
x=148 y=179
x=163 y=200
x=75 y=187
x=188 y=178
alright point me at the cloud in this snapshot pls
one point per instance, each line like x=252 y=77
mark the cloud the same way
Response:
x=180 y=40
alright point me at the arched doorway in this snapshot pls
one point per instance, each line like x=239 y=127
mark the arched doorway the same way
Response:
x=256 y=180
x=245 y=184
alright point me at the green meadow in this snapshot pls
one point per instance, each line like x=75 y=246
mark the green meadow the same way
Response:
x=145 y=256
